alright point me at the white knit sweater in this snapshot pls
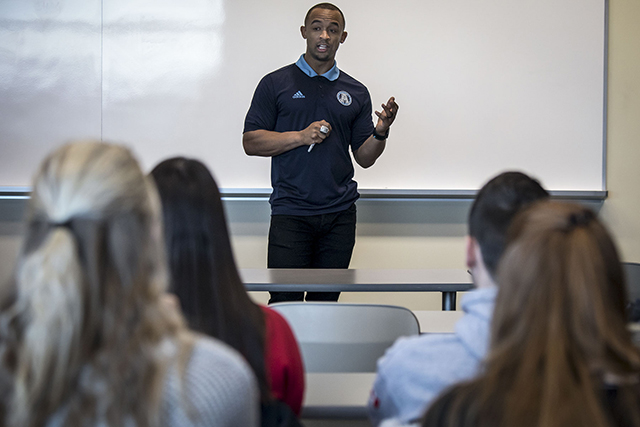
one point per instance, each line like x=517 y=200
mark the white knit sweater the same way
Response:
x=218 y=389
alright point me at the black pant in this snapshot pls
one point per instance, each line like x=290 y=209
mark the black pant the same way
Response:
x=317 y=241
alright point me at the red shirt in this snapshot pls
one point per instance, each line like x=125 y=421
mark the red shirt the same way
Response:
x=283 y=362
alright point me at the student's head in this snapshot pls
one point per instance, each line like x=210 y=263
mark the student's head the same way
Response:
x=561 y=282
x=559 y=335
x=201 y=263
x=82 y=324
x=559 y=318
x=495 y=206
x=203 y=272
x=195 y=230
x=324 y=31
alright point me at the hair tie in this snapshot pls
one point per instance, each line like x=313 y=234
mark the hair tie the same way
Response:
x=581 y=219
x=65 y=224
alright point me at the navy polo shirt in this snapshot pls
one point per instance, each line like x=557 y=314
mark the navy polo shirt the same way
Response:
x=290 y=99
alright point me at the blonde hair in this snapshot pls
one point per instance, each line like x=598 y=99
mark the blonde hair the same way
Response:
x=84 y=334
x=559 y=335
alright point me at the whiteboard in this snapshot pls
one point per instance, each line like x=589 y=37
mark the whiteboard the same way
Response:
x=483 y=85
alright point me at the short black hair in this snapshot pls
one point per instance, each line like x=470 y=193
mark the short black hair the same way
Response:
x=495 y=206
x=327 y=6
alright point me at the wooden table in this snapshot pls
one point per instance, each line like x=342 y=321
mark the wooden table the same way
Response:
x=447 y=281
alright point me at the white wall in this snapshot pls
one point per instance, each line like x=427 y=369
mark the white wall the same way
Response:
x=621 y=211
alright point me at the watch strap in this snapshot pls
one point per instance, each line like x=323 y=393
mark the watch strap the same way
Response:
x=376 y=135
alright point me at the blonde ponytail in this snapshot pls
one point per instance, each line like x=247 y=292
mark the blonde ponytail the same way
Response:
x=49 y=304
x=79 y=340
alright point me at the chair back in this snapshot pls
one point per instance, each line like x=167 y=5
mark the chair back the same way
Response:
x=336 y=337
x=632 y=273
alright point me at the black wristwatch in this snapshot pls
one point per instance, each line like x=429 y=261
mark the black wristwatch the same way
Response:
x=376 y=135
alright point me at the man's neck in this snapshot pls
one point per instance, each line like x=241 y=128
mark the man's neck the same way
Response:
x=319 y=67
x=481 y=277
x=475 y=261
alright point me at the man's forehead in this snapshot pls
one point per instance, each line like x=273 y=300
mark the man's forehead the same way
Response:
x=324 y=15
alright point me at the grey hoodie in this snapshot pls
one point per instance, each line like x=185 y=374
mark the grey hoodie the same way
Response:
x=416 y=369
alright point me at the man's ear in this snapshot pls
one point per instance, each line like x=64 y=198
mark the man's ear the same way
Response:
x=343 y=37
x=303 y=31
x=472 y=260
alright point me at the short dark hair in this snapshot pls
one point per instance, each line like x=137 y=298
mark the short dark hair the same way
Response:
x=203 y=273
x=327 y=6
x=495 y=206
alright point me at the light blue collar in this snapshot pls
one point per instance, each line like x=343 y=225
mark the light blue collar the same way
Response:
x=330 y=75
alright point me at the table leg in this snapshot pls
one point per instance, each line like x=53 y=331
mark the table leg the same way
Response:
x=448 y=301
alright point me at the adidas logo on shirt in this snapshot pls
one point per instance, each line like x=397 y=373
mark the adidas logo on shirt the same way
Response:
x=298 y=95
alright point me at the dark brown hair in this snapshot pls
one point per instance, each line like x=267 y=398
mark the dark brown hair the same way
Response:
x=202 y=267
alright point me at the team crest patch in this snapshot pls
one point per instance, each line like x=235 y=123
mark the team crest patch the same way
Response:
x=344 y=98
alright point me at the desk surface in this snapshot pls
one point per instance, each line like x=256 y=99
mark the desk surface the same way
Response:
x=356 y=280
x=438 y=322
x=337 y=395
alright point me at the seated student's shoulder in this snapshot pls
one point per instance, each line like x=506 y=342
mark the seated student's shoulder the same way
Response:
x=414 y=371
x=231 y=366
x=217 y=386
x=274 y=319
x=420 y=348
x=428 y=360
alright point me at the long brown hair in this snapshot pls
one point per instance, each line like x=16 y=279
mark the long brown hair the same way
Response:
x=203 y=273
x=559 y=335
x=84 y=335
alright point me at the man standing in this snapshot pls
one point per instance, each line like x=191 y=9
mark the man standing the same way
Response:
x=305 y=116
